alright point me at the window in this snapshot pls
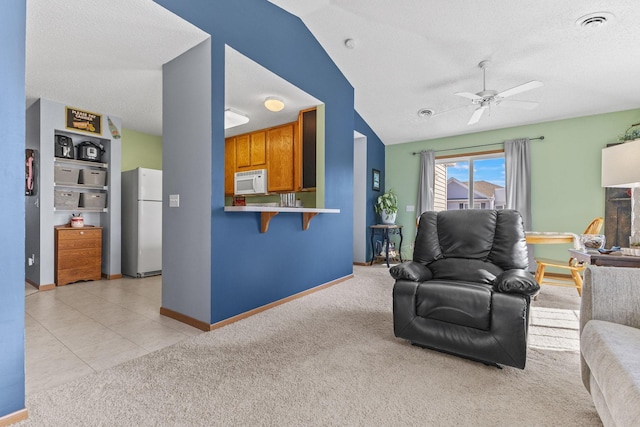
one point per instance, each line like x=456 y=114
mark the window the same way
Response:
x=476 y=180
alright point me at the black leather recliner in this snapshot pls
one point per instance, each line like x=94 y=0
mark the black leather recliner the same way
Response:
x=467 y=290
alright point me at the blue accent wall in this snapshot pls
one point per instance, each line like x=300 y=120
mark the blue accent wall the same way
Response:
x=12 y=161
x=375 y=160
x=250 y=269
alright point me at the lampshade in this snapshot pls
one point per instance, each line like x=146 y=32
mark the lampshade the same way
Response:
x=233 y=118
x=274 y=104
x=621 y=165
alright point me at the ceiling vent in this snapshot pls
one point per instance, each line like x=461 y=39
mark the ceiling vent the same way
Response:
x=425 y=112
x=594 y=20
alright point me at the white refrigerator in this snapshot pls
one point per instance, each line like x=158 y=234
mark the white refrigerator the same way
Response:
x=142 y=222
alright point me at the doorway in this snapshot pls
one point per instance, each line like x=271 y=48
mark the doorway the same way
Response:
x=359 y=198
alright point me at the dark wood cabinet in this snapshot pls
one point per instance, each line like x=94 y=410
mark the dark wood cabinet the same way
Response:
x=308 y=143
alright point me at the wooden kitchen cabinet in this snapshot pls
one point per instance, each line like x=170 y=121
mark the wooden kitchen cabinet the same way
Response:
x=251 y=151
x=229 y=165
x=78 y=254
x=281 y=155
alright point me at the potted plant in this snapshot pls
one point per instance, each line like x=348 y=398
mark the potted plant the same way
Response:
x=387 y=207
x=631 y=134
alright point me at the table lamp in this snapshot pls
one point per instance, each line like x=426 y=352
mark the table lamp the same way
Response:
x=621 y=168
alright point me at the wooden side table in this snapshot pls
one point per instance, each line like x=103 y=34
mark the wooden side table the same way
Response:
x=385 y=231
x=605 y=260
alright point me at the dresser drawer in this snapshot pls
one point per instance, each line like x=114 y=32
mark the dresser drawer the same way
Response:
x=70 y=233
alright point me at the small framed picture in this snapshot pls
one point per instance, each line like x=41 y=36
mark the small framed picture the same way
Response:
x=375 y=180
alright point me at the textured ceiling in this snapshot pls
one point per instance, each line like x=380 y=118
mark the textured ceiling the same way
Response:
x=409 y=54
x=104 y=56
x=414 y=54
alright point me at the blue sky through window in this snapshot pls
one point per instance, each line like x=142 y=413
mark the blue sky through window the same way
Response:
x=490 y=170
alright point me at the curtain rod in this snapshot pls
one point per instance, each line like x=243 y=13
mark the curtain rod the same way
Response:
x=473 y=146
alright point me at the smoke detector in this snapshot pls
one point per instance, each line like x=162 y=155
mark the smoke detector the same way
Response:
x=594 y=20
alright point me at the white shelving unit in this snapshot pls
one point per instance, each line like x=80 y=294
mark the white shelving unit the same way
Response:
x=44 y=120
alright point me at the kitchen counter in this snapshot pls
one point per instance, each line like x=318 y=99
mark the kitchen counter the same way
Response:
x=268 y=212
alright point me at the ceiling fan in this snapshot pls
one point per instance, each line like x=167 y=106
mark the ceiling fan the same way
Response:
x=487 y=98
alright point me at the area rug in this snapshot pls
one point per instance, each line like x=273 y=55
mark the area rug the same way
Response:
x=330 y=358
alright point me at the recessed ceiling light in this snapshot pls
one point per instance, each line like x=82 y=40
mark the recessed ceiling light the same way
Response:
x=594 y=20
x=350 y=43
x=425 y=112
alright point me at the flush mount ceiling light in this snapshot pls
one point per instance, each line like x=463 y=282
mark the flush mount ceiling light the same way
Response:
x=425 y=112
x=233 y=118
x=594 y=20
x=274 y=104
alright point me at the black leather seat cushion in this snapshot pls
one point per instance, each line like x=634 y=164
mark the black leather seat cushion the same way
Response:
x=460 y=303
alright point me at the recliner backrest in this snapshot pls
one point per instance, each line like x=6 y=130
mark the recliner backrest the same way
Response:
x=495 y=237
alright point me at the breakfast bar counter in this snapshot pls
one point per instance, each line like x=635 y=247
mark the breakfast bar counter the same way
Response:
x=268 y=212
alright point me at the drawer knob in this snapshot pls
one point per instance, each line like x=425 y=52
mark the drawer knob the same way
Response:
x=82 y=232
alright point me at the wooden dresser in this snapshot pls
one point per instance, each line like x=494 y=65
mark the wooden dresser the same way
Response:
x=78 y=254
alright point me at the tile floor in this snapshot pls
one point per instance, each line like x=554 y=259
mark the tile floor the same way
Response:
x=78 y=329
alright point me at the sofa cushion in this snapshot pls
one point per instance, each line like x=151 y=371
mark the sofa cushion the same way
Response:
x=611 y=350
x=460 y=303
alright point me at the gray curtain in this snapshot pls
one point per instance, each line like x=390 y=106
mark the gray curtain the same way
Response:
x=426 y=182
x=517 y=164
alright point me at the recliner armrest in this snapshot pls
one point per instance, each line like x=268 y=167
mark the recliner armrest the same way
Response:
x=516 y=281
x=411 y=270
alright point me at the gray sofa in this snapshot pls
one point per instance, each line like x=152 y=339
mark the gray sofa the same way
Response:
x=610 y=343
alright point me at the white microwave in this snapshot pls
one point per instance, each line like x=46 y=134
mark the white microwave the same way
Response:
x=250 y=182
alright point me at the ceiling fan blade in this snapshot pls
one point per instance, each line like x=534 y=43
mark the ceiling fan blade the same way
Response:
x=520 y=88
x=475 y=117
x=468 y=95
x=512 y=103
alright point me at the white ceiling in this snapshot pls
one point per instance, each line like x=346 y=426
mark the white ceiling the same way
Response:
x=408 y=55
x=104 y=56
x=248 y=84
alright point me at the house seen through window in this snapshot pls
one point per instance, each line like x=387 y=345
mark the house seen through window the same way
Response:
x=470 y=182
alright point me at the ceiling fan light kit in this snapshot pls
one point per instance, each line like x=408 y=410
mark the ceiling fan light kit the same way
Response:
x=488 y=98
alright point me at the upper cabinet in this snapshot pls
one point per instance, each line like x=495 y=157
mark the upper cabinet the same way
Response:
x=251 y=151
x=280 y=154
x=308 y=138
x=229 y=164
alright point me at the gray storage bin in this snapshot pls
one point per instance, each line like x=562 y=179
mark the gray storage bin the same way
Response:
x=93 y=200
x=65 y=175
x=66 y=199
x=93 y=177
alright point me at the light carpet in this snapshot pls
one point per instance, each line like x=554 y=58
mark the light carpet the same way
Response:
x=330 y=358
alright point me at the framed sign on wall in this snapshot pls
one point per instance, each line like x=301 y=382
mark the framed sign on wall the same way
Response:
x=375 y=180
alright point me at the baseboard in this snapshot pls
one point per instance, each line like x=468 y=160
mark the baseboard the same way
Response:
x=199 y=324
x=203 y=326
x=112 y=276
x=277 y=303
x=364 y=264
x=41 y=287
x=13 y=418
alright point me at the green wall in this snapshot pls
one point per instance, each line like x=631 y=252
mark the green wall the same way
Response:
x=141 y=150
x=565 y=171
